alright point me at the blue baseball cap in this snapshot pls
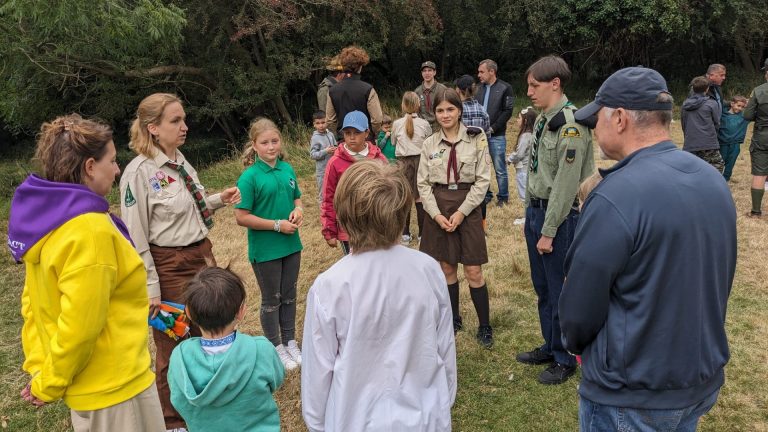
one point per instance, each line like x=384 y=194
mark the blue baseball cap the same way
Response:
x=357 y=120
x=632 y=88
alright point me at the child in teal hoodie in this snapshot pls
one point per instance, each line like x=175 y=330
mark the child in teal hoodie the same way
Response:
x=733 y=129
x=225 y=379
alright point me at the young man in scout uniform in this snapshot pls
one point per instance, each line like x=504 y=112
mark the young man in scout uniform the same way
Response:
x=757 y=110
x=427 y=91
x=561 y=157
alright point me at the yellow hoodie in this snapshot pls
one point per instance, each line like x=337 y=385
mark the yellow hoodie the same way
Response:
x=85 y=315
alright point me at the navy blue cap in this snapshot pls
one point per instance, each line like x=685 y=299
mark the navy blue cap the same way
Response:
x=357 y=120
x=632 y=88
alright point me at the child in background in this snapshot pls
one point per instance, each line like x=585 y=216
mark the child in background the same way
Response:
x=408 y=135
x=379 y=352
x=700 y=119
x=354 y=148
x=384 y=140
x=519 y=157
x=733 y=129
x=271 y=210
x=225 y=379
x=321 y=147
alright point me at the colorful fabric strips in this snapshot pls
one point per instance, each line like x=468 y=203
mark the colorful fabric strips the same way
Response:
x=171 y=320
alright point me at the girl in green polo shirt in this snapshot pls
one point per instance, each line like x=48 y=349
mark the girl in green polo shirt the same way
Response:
x=271 y=210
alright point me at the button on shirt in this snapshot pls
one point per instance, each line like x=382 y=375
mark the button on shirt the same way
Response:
x=563 y=159
x=269 y=193
x=158 y=209
x=474 y=167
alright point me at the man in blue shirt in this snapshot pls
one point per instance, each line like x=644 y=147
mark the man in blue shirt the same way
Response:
x=650 y=269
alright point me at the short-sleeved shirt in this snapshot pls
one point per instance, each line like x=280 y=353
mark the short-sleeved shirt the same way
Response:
x=269 y=193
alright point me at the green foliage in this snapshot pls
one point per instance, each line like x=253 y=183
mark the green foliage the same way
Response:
x=233 y=61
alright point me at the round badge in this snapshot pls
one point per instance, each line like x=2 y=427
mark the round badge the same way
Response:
x=160 y=175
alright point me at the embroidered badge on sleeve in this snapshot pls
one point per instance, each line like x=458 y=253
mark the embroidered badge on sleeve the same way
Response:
x=129 y=199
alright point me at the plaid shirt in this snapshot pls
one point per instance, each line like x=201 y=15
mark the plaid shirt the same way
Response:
x=474 y=114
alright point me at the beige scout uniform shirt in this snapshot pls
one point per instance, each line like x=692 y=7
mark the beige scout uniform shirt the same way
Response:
x=405 y=146
x=474 y=164
x=158 y=209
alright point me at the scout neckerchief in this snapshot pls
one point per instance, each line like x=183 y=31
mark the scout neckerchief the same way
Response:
x=427 y=99
x=538 y=132
x=196 y=194
x=453 y=163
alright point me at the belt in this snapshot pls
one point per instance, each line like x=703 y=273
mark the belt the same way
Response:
x=542 y=203
x=191 y=245
x=457 y=186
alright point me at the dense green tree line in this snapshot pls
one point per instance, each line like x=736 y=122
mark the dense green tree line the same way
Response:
x=233 y=60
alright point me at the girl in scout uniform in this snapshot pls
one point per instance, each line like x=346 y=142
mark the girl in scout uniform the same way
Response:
x=168 y=215
x=453 y=176
x=271 y=210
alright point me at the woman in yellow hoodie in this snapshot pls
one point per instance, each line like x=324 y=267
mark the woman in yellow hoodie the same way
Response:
x=85 y=294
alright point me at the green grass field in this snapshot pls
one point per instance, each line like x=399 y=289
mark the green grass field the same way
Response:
x=495 y=393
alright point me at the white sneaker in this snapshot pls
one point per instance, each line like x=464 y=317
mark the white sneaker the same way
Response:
x=405 y=239
x=294 y=351
x=519 y=221
x=286 y=358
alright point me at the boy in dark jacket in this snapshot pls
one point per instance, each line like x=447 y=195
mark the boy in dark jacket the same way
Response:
x=700 y=118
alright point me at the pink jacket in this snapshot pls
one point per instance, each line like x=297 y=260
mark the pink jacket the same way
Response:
x=339 y=162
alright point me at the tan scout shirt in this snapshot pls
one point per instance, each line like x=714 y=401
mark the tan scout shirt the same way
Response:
x=474 y=164
x=565 y=159
x=158 y=209
x=405 y=146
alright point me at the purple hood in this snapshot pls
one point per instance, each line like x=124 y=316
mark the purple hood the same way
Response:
x=40 y=206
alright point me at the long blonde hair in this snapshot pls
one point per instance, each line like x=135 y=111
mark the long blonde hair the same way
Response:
x=410 y=105
x=150 y=111
x=258 y=126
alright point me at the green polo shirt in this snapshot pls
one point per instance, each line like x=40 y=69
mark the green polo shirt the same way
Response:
x=565 y=158
x=269 y=193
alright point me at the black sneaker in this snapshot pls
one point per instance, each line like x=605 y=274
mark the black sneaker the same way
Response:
x=501 y=203
x=556 y=373
x=535 y=357
x=485 y=336
x=457 y=325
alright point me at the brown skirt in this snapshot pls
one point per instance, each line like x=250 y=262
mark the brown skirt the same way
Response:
x=409 y=165
x=466 y=245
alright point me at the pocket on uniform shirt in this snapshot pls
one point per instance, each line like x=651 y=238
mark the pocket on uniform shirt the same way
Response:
x=467 y=166
x=436 y=170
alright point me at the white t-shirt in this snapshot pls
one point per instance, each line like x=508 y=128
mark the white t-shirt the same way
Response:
x=378 y=348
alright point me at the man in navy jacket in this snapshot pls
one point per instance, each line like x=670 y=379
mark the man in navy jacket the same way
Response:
x=650 y=269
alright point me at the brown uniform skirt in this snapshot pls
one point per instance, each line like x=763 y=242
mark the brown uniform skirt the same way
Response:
x=409 y=166
x=466 y=245
x=175 y=267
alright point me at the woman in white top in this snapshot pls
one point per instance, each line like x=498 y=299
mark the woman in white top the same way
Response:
x=408 y=135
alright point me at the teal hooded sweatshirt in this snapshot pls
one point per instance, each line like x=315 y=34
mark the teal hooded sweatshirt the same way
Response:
x=230 y=391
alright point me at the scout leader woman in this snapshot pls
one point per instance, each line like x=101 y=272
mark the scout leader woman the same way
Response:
x=454 y=174
x=168 y=215
x=85 y=298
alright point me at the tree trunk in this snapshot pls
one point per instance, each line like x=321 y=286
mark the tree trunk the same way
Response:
x=745 y=60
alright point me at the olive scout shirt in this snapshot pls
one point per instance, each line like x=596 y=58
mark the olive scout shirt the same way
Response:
x=473 y=163
x=269 y=193
x=757 y=110
x=565 y=159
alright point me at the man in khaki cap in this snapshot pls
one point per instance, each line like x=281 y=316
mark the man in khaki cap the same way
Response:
x=335 y=74
x=427 y=91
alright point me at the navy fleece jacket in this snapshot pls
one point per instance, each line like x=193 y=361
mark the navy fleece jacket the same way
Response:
x=648 y=277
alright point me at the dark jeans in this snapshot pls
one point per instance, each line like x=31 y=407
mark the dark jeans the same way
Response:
x=277 y=281
x=548 y=275
x=729 y=153
x=595 y=417
x=497 y=148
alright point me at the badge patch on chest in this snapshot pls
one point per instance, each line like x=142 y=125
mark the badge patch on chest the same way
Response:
x=571 y=132
x=570 y=155
x=155 y=184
